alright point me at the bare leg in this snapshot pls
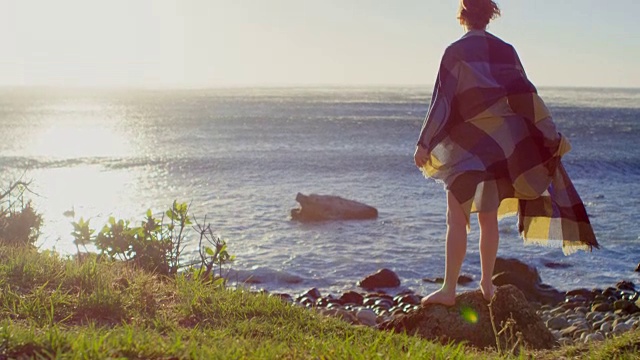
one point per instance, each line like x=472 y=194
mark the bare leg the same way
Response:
x=456 y=249
x=489 y=239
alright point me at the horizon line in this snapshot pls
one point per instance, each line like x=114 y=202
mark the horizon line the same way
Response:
x=264 y=86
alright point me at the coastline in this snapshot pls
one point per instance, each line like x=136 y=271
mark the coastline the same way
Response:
x=577 y=316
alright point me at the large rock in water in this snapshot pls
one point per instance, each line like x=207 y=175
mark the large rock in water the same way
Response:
x=384 y=278
x=469 y=320
x=527 y=279
x=328 y=207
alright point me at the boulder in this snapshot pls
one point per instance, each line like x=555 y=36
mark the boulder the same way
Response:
x=638 y=268
x=626 y=285
x=469 y=320
x=351 y=297
x=527 y=279
x=384 y=278
x=328 y=207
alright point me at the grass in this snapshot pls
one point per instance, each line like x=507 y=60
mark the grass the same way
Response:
x=53 y=307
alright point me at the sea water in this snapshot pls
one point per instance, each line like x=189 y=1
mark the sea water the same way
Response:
x=240 y=156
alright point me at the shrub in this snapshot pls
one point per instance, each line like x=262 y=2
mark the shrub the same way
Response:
x=156 y=245
x=19 y=222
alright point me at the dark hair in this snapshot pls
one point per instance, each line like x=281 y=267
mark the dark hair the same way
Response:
x=477 y=14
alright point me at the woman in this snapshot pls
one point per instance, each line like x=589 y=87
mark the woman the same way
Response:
x=491 y=140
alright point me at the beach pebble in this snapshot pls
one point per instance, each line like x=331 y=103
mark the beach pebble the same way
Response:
x=625 y=285
x=594 y=337
x=594 y=316
x=367 y=317
x=351 y=297
x=565 y=341
x=341 y=314
x=385 y=304
x=411 y=299
x=621 y=328
x=606 y=327
x=572 y=331
x=583 y=310
x=623 y=305
x=557 y=323
x=601 y=307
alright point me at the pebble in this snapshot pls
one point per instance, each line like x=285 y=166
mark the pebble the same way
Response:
x=557 y=323
x=606 y=327
x=586 y=316
x=601 y=307
x=367 y=317
x=621 y=328
x=594 y=337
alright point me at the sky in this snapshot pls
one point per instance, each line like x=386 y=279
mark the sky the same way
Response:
x=219 y=43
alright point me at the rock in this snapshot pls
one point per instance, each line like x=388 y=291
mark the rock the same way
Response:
x=594 y=316
x=341 y=314
x=385 y=304
x=384 y=278
x=621 y=328
x=601 y=307
x=469 y=320
x=284 y=297
x=638 y=268
x=606 y=327
x=557 y=323
x=626 y=306
x=572 y=331
x=312 y=294
x=555 y=265
x=625 y=285
x=327 y=207
x=411 y=299
x=527 y=279
x=595 y=337
x=462 y=280
x=565 y=342
x=586 y=294
x=610 y=292
x=367 y=317
x=351 y=297
x=621 y=304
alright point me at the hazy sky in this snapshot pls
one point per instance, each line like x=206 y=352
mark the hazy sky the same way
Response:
x=209 y=43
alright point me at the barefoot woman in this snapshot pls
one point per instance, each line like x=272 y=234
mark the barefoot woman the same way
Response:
x=491 y=140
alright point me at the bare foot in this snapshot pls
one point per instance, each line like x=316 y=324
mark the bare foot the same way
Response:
x=441 y=296
x=487 y=290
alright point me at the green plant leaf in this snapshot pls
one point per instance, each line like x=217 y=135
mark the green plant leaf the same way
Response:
x=209 y=251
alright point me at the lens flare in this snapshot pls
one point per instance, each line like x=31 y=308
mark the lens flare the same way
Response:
x=469 y=315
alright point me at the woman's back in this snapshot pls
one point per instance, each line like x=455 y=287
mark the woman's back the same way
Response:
x=488 y=71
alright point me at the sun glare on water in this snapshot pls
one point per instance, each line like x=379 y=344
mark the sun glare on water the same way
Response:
x=79 y=142
x=80 y=130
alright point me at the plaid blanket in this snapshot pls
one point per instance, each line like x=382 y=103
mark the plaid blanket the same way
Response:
x=494 y=145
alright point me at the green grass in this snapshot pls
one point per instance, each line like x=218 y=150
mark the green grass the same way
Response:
x=51 y=307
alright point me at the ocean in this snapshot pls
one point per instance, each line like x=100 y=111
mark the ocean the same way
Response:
x=239 y=157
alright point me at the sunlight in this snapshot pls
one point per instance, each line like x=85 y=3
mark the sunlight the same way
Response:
x=66 y=194
x=79 y=141
x=79 y=130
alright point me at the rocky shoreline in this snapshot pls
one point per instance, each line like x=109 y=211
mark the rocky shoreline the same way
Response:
x=576 y=316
